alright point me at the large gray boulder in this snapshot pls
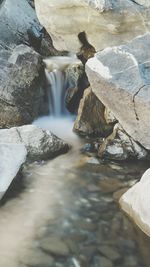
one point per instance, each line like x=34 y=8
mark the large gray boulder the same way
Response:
x=12 y=156
x=135 y=202
x=104 y=21
x=16 y=17
x=21 y=93
x=40 y=144
x=120 y=78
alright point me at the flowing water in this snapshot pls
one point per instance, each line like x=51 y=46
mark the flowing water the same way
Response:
x=64 y=212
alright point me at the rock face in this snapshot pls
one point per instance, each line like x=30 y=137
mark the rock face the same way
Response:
x=120 y=146
x=40 y=144
x=12 y=155
x=90 y=119
x=104 y=21
x=135 y=202
x=12 y=28
x=77 y=82
x=120 y=78
x=21 y=94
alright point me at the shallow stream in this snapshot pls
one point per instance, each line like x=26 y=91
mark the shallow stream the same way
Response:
x=66 y=212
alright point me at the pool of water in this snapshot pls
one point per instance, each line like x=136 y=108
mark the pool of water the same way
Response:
x=65 y=212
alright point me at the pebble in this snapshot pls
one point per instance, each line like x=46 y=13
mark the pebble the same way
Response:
x=55 y=246
x=36 y=257
x=102 y=262
x=109 y=185
x=110 y=252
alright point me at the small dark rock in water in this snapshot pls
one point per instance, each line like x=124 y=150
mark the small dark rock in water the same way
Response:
x=55 y=246
x=88 y=147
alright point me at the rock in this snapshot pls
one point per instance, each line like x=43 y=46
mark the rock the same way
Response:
x=54 y=246
x=117 y=195
x=122 y=74
x=109 y=116
x=110 y=252
x=109 y=185
x=105 y=22
x=145 y=3
x=27 y=30
x=103 y=262
x=120 y=146
x=90 y=119
x=36 y=257
x=40 y=144
x=77 y=82
x=21 y=96
x=12 y=155
x=135 y=202
x=13 y=29
x=93 y=160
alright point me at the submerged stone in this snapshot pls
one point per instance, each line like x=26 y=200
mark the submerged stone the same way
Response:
x=55 y=246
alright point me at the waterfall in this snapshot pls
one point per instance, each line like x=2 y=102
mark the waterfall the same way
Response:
x=57 y=82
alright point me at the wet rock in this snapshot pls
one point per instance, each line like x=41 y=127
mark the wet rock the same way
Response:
x=12 y=155
x=55 y=246
x=90 y=119
x=21 y=96
x=105 y=22
x=89 y=148
x=93 y=160
x=40 y=144
x=77 y=83
x=123 y=73
x=36 y=257
x=135 y=203
x=120 y=146
x=110 y=252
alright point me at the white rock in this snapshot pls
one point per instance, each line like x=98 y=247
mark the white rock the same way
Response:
x=126 y=90
x=12 y=156
x=105 y=21
x=135 y=202
x=40 y=144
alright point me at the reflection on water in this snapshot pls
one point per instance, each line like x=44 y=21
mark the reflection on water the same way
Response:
x=67 y=214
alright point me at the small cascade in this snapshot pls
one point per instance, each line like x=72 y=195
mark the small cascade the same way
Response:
x=57 y=83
